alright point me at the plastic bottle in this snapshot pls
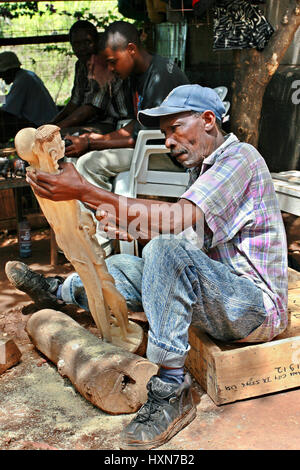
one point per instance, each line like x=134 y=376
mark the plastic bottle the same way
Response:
x=24 y=237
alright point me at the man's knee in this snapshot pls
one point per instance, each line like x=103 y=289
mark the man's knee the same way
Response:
x=172 y=247
x=87 y=161
x=160 y=245
x=119 y=262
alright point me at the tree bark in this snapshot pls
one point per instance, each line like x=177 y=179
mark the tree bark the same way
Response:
x=253 y=72
x=108 y=376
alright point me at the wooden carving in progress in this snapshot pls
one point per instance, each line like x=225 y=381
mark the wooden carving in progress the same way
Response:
x=74 y=227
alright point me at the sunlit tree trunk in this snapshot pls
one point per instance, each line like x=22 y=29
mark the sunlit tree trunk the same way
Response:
x=253 y=71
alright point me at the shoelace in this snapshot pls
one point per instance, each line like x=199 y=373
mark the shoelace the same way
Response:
x=40 y=279
x=150 y=408
x=34 y=275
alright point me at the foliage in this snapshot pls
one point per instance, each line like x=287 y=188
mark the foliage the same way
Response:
x=12 y=11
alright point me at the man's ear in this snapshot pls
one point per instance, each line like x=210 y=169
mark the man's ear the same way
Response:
x=209 y=120
x=131 y=48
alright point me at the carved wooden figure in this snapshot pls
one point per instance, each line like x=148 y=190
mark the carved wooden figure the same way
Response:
x=75 y=227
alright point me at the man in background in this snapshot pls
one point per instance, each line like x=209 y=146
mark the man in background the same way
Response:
x=28 y=103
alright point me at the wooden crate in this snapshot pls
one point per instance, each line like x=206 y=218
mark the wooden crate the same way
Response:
x=235 y=371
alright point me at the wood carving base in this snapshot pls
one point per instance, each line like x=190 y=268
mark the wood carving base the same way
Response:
x=136 y=340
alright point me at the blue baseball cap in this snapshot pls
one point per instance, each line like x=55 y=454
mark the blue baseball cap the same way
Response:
x=184 y=98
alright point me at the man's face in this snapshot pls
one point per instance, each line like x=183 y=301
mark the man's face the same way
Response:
x=98 y=70
x=186 y=138
x=8 y=76
x=120 y=61
x=83 y=45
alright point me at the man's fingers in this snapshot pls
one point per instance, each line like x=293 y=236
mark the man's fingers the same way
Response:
x=100 y=214
x=70 y=150
x=117 y=234
x=43 y=192
x=40 y=177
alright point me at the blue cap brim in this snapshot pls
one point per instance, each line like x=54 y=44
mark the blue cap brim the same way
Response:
x=151 y=117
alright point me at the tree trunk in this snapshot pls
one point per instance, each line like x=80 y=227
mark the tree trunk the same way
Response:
x=108 y=376
x=253 y=72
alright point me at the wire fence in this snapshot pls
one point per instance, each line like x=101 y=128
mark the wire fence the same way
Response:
x=53 y=62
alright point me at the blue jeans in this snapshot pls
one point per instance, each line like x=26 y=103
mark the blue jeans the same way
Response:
x=176 y=284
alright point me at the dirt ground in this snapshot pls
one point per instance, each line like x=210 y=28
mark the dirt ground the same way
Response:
x=40 y=410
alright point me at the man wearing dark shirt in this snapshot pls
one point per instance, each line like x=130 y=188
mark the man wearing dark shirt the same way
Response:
x=153 y=78
x=28 y=102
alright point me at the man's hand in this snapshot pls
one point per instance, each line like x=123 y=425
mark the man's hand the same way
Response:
x=63 y=186
x=79 y=146
x=109 y=225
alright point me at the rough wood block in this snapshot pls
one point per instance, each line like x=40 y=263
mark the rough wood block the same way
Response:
x=9 y=353
x=234 y=371
x=110 y=377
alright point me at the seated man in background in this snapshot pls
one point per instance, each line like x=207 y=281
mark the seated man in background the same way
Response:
x=152 y=77
x=92 y=108
x=28 y=103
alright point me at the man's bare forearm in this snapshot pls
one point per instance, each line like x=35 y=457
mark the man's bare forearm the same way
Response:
x=79 y=116
x=64 y=113
x=143 y=219
x=121 y=138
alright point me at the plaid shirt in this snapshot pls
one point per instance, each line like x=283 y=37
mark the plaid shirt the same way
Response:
x=114 y=101
x=243 y=225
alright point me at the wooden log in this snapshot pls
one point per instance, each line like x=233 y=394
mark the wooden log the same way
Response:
x=111 y=378
x=9 y=353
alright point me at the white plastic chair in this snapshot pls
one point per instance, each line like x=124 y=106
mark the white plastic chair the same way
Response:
x=221 y=91
x=225 y=116
x=139 y=180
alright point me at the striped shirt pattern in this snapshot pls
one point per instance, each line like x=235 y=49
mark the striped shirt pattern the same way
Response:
x=114 y=101
x=243 y=225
